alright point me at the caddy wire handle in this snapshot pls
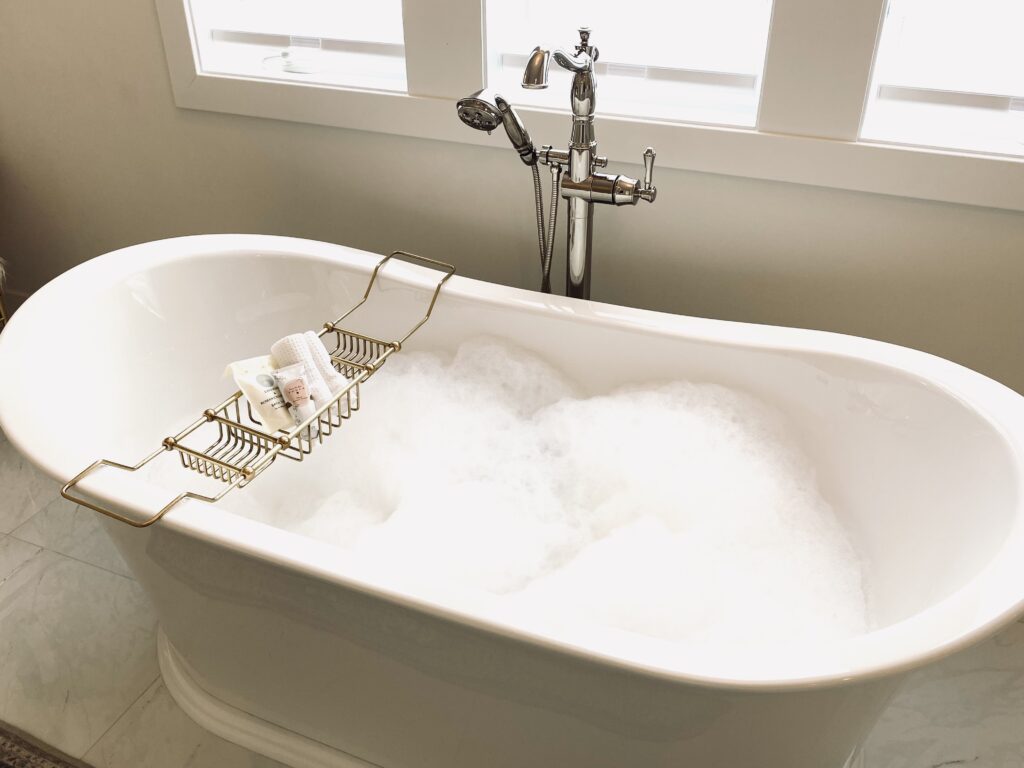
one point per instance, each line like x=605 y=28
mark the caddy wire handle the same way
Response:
x=241 y=449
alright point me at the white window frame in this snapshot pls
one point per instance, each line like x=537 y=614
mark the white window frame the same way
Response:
x=815 y=84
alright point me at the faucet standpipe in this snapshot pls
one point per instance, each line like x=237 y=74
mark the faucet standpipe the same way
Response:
x=583 y=186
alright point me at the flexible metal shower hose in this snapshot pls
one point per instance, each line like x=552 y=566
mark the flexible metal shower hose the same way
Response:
x=538 y=200
x=556 y=178
x=546 y=241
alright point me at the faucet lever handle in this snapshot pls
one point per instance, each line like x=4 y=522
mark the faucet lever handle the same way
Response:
x=581 y=62
x=648 y=192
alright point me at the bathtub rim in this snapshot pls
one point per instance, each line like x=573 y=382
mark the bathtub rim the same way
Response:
x=982 y=395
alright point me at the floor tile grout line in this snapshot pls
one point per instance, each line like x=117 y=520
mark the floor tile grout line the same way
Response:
x=21 y=566
x=72 y=557
x=146 y=689
x=11 y=532
x=23 y=522
x=30 y=518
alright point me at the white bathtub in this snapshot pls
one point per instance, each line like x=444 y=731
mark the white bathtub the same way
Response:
x=267 y=640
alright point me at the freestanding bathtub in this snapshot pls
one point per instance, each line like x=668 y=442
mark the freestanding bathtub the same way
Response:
x=268 y=640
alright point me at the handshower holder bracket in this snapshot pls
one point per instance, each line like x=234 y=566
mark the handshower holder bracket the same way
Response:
x=229 y=444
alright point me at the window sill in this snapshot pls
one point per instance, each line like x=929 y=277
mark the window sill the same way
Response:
x=927 y=174
x=982 y=129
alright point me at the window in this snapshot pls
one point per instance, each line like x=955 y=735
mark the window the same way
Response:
x=684 y=60
x=949 y=73
x=789 y=90
x=327 y=42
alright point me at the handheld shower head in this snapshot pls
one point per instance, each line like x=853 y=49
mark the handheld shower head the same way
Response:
x=478 y=112
x=485 y=111
x=516 y=131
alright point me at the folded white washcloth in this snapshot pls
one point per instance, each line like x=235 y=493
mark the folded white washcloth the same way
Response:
x=335 y=381
x=295 y=349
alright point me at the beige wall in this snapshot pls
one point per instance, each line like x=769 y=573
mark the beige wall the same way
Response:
x=94 y=155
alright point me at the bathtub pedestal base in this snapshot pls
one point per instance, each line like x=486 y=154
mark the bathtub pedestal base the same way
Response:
x=259 y=735
x=241 y=728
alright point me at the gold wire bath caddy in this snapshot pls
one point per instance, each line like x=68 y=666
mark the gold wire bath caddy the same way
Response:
x=242 y=449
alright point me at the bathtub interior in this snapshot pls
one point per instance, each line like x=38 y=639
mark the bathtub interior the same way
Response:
x=923 y=482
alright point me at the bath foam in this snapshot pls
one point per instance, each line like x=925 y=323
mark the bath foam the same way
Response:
x=680 y=511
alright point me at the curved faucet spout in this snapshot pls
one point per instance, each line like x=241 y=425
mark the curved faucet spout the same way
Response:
x=535 y=76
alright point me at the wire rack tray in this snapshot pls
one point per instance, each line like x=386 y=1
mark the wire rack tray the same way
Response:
x=240 y=449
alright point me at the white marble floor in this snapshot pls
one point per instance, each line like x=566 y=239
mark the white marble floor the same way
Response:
x=78 y=660
x=78 y=664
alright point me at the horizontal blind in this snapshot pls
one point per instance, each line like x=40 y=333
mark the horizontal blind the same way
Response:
x=328 y=42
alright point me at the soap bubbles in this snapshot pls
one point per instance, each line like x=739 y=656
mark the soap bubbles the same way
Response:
x=683 y=511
